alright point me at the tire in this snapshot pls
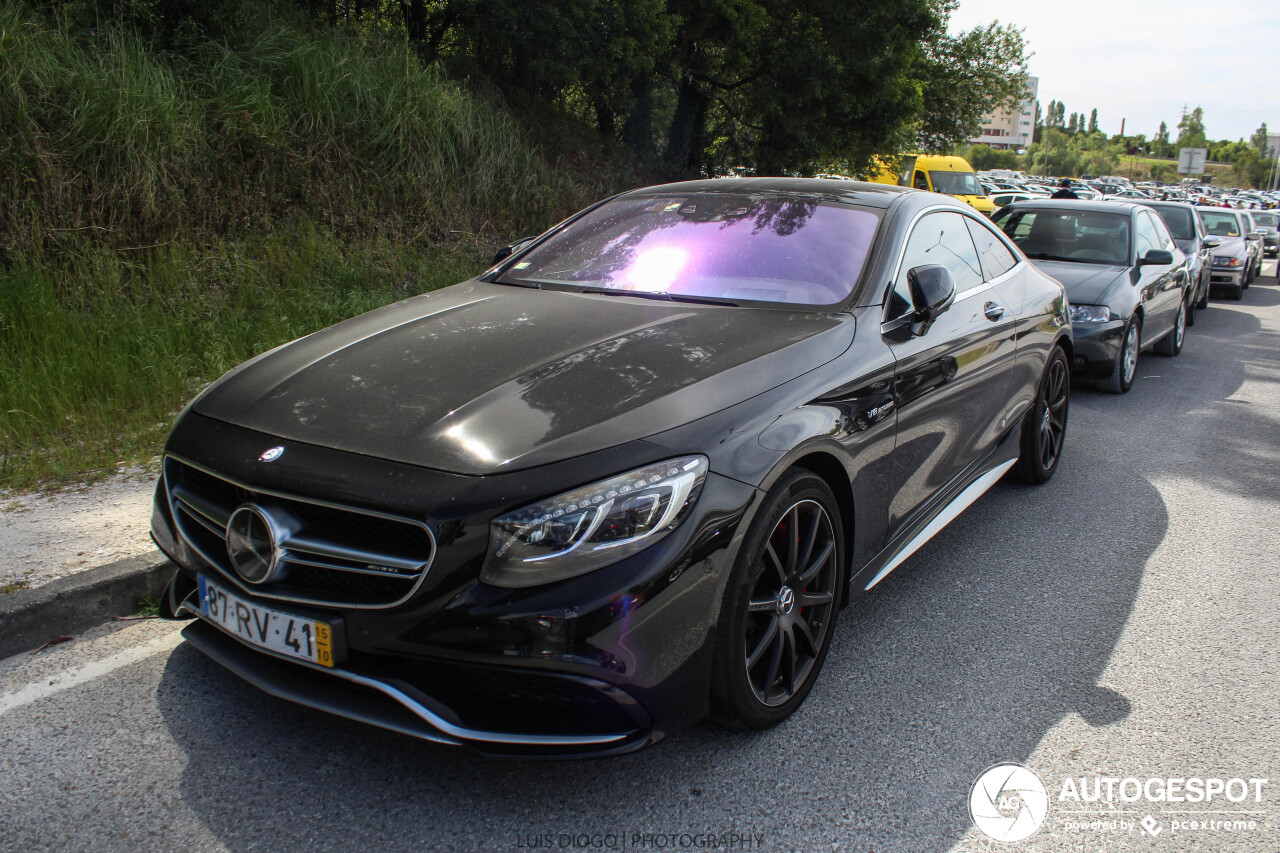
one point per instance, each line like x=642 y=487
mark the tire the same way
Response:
x=1044 y=427
x=768 y=650
x=1189 y=300
x=1247 y=278
x=1204 y=295
x=1125 y=368
x=1171 y=344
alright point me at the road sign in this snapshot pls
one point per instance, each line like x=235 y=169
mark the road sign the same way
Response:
x=1191 y=160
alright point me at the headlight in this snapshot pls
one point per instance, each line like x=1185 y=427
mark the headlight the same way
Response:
x=1223 y=261
x=1090 y=313
x=593 y=526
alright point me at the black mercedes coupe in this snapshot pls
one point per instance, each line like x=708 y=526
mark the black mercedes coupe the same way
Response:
x=624 y=479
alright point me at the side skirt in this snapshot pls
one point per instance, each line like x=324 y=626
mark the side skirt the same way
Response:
x=945 y=516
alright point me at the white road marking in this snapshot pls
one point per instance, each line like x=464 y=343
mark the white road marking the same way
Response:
x=68 y=678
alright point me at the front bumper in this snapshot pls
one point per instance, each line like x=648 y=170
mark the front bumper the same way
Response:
x=604 y=663
x=1228 y=277
x=1096 y=347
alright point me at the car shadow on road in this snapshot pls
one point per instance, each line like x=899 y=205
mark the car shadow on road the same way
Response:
x=967 y=655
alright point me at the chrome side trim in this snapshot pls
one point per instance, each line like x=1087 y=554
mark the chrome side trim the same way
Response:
x=229 y=577
x=305 y=694
x=959 y=504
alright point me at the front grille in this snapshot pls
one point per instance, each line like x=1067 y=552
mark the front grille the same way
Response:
x=328 y=554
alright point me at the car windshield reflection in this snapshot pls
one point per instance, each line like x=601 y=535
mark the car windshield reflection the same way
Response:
x=724 y=246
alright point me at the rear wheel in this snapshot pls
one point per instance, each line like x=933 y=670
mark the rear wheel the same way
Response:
x=779 y=606
x=1204 y=295
x=1189 y=300
x=1125 y=367
x=1171 y=344
x=1044 y=428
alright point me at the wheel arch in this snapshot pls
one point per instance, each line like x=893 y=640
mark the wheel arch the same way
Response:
x=832 y=471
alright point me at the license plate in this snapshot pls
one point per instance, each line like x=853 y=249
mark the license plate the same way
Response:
x=282 y=633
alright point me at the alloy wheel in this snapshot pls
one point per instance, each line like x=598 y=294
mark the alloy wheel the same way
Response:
x=792 y=597
x=1180 y=329
x=1131 y=353
x=1053 y=425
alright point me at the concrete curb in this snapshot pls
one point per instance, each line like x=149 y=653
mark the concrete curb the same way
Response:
x=70 y=605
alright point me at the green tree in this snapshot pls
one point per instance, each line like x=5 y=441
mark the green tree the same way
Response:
x=1093 y=121
x=1161 y=146
x=963 y=77
x=1073 y=126
x=1259 y=140
x=1191 y=130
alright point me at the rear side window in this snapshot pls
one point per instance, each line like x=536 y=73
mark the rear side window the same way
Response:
x=992 y=252
x=938 y=238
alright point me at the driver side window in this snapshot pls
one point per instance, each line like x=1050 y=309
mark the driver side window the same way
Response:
x=938 y=238
x=921 y=182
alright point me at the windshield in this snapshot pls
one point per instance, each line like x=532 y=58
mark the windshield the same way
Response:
x=1178 y=221
x=955 y=183
x=731 y=246
x=1068 y=235
x=1265 y=220
x=1220 y=224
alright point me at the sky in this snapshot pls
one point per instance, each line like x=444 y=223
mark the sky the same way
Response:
x=1144 y=61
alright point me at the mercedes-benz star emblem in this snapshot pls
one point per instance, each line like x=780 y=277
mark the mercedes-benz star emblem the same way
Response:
x=251 y=544
x=271 y=454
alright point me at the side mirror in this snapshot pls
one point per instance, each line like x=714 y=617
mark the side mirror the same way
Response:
x=507 y=251
x=1156 y=257
x=1253 y=235
x=933 y=289
x=1211 y=242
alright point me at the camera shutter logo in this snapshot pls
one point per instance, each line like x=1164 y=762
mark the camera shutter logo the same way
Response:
x=1008 y=802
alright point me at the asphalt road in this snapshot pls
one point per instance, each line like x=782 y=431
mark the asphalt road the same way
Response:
x=1121 y=621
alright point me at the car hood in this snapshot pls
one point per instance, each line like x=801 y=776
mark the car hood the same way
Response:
x=480 y=378
x=1084 y=283
x=1232 y=247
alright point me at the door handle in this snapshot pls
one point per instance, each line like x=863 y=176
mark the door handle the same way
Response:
x=993 y=311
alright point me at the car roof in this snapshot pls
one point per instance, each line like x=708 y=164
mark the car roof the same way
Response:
x=1078 y=204
x=854 y=192
x=1168 y=202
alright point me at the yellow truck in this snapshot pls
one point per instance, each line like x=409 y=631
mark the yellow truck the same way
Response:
x=951 y=176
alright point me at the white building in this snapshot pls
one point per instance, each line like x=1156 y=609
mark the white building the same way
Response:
x=1005 y=130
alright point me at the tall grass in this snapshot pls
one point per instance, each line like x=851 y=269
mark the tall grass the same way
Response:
x=103 y=133
x=95 y=376
x=164 y=216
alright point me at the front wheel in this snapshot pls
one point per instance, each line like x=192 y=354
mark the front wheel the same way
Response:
x=1171 y=344
x=1125 y=367
x=779 y=606
x=1189 y=300
x=1044 y=428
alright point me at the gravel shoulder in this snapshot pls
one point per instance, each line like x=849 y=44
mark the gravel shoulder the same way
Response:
x=49 y=535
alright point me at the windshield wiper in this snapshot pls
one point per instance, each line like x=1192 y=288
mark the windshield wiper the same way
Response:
x=656 y=294
x=1046 y=256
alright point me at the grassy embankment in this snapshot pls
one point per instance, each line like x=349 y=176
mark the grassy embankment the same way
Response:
x=164 y=216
